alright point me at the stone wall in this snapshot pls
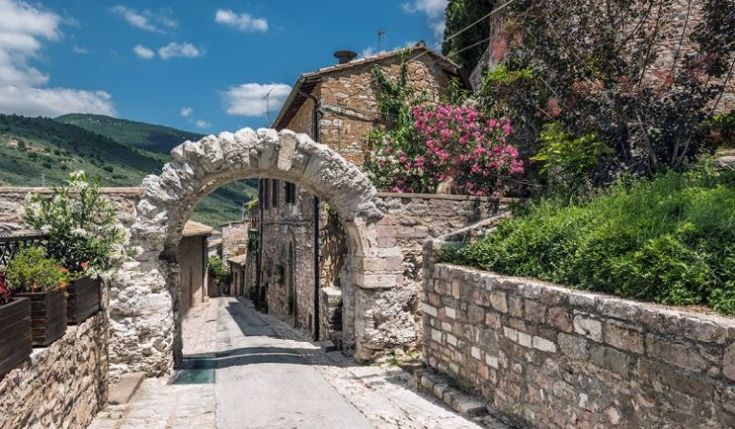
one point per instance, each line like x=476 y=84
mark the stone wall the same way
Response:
x=350 y=106
x=61 y=386
x=234 y=239
x=547 y=356
x=12 y=198
x=289 y=281
x=416 y=218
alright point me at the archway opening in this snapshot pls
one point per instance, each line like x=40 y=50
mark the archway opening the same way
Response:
x=201 y=167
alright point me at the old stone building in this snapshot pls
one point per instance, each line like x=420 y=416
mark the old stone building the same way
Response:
x=302 y=245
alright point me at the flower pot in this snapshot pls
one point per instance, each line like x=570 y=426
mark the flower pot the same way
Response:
x=48 y=316
x=15 y=334
x=82 y=300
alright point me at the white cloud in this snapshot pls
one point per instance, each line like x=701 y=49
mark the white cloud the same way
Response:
x=24 y=29
x=53 y=102
x=186 y=111
x=243 y=22
x=434 y=10
x=249 y=99
x=145 y=19
x=79 y=50
x=202 y=124
x=183 y=50
x=143 y=52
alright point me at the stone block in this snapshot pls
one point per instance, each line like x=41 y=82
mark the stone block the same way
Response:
x=560 y=318
x=728 y=362
x=492 y=361
x=498 y=301
x=475 y=352
x=430 y=310
x=525 y=340
x=450 y=312
x=611 y=359
x=675 y=379
x=544 y=345
x=516 y=306
x=624 y=337
x=590 y=328
x=683 y=355
x=574 y=347
x=535 y=311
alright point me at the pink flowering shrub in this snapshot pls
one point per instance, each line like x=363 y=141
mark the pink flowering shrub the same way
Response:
x=446 y=143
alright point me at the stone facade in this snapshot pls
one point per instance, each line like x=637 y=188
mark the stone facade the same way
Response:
x=234 y=239
x=61 y=386
x=12 y=199
x=547 y=356
x=337 y=106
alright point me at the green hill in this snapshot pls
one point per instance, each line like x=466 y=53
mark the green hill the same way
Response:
x=42 y=151
x=155 y=138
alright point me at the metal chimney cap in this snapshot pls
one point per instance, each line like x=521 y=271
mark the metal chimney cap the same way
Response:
x=345 y=56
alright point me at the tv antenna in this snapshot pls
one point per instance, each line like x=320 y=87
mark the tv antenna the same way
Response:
x=267 y=98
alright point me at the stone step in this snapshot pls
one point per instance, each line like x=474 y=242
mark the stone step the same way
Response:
x=438 y=386
x=123 y=390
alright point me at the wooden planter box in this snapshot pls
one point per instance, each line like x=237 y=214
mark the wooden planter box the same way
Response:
x=82 y=300
x=48 y=316
x=15 y=334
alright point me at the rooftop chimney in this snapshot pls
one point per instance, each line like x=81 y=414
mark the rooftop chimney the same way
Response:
x=345 y=56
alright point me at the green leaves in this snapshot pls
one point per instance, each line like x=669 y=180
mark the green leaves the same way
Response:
x=32 y=271
x=670 y=240
x=81 y=225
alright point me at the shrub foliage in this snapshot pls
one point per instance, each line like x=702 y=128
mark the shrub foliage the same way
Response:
x=670 y=240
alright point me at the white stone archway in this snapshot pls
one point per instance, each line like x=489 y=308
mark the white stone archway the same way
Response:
x=145 y=325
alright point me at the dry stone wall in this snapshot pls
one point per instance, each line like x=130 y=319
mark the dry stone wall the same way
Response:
x=547 y=356
x=61 y=386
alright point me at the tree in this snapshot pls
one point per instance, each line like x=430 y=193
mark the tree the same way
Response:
x=459 y=15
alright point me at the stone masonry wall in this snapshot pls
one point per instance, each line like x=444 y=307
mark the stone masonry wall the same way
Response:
x=12 y=199
x=61 y=386
x=349 y=101
x=417 y=217
x=551 y=357
x=234 y=239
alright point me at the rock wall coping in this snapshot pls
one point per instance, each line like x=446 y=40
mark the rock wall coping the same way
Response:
x=61 y=386
x=547 y=356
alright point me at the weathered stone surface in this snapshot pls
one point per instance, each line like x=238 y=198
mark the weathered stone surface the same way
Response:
x=61 y=386
x=566 y=358
x=728 y=362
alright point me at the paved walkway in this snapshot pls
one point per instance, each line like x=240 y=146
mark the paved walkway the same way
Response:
x=250 y=370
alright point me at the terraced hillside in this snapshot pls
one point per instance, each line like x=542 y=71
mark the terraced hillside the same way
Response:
x=42 y=151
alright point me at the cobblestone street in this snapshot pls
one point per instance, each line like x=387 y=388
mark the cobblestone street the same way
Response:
x=250 y=370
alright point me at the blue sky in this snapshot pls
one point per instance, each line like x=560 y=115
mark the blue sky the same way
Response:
x=196 y=65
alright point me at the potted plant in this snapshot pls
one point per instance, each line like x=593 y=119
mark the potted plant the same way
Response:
x=15 y=329
x=40 y=279
x=82 y=234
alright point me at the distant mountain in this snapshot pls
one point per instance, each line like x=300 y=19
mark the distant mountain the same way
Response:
x=42 y=151
x=154 y=138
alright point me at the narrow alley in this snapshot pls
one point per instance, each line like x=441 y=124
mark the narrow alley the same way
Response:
x=245 y=369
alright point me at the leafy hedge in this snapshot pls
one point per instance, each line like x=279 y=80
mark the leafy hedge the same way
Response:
x=670 y=240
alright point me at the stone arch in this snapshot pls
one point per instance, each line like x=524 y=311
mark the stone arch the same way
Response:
x=152 y=329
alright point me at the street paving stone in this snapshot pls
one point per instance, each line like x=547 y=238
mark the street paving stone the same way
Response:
x=245 y=369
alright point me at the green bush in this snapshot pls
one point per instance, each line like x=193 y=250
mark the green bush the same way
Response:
x=219 y=271
x=32 y=271
x=670 y=240
x=81 y=225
